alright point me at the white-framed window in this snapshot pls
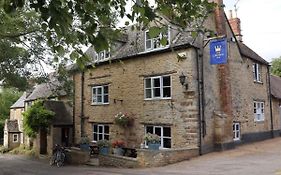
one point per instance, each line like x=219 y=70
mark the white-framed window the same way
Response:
x=259 y=110
x=164 y=132
x=157 y=87
x=15 y=138
x=154 y=43
x=257 y=72
x=100 y=132
x=102 y=56
x=236 y=131
x=100 y=95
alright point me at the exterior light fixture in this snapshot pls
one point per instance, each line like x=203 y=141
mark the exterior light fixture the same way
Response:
x=183 y=82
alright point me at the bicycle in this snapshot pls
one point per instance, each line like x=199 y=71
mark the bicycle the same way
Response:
x=58 y=156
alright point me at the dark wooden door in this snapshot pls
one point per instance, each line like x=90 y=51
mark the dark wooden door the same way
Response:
x=65 y=136
x=43 y=141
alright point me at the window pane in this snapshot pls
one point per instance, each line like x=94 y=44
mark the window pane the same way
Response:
x=106 y=137
x=100 y=129
x=148 y=83
x=99 y=98
x=100 y=136
x=147 y=35
x=149 y=129
x=167 y=131
x=95 y=136
x=156 y=82
x=148 y=44
x=167 y=92
x=148 y=93
x=167 y=143
x=156 y=92
x=94 y=91
x=106 y=129
x=105 y=89
x=99 y=91
x=105 y=100
x=158 y=131
x=95 y=128
x=167 y=81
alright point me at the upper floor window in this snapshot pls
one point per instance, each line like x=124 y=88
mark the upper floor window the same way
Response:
x=163 y=132
x=158 y=87
x=236 y=131
x=15 y=138
x=102 y=55
x=100 y=132
x=100 y=95
x=257 y=72
x=259 y=111
x=154 y=43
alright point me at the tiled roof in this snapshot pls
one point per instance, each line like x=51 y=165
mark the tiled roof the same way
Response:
x=247 y=52
x=62 y=112
x=275 y=87
x=46 y=90
x=12 y=126
x=20 y=102
x=134 y=45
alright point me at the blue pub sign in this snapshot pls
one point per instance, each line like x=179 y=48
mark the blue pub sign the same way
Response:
x=218 y=51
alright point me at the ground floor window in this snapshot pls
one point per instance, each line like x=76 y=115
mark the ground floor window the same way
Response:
x=100 y=132
x=15 y=138
x=163 y=131
x=236 y=131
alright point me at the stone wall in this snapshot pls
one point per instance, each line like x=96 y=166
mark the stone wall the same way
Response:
x=126 y=94
x=151 y=158
x=118 y=161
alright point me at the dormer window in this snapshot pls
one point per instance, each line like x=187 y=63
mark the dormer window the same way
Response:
x=154 y=43
x=102 y=55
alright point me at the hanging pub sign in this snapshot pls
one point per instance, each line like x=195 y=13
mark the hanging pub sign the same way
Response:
x=218 y=51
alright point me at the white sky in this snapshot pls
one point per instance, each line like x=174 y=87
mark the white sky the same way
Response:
x=260 y=24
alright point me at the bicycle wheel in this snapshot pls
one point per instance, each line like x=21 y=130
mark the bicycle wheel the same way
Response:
x=52 y=160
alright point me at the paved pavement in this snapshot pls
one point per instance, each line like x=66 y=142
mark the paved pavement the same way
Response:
x=261 y=158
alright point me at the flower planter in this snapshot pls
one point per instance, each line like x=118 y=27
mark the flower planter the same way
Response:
x=104 y=150
x=153 y=146
x=85 y=147
x=118 y=151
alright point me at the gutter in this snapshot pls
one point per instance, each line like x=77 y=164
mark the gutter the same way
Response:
x=270 y=102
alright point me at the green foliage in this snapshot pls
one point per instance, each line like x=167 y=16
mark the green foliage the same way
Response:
x=276 y=67
x=36 y=117
x=24 y=150
x=4 y=149
x=103 y=143
x=72 y=23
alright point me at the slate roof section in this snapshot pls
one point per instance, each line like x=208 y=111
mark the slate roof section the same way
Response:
x=62 y=112
x=12 y=126
x=20 y=102
x=275 y=87
x=247 y=52
x=46 y=90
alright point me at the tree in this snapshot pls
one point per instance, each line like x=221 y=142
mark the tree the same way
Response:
x=37 y=117
x=276 y=67
x=7 y=98
x=69 y=24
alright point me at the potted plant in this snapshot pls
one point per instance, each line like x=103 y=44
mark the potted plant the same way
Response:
x=103 y=146
x=85 y=143
x=123 y=119
x=152 y=140
x=118 y=147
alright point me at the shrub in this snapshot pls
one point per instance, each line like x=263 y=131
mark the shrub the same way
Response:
x=103 y=143
x=152 y=138
x=118 y=144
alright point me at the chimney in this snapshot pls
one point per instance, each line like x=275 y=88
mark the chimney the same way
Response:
x=235 y=24
x=219 y=18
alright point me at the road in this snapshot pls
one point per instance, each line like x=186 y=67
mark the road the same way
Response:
x=261 y=158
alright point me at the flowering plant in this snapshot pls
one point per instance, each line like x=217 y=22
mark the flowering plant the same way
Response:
x=103 y=143
x=118 y=144
x=122 y=119
x=151 y=138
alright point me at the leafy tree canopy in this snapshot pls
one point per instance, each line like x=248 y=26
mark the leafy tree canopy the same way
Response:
x=276 y=67
x=69 y=24
x=36 y=117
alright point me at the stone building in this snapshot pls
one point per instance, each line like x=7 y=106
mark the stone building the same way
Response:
x=212 y=107
x=275 y=86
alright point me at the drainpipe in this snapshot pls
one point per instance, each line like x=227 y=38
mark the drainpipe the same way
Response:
x=73 y=111
x=82 y=104
x=198 y=53
x=270 y=101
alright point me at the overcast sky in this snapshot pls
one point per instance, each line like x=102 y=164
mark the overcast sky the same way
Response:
x=260 y=24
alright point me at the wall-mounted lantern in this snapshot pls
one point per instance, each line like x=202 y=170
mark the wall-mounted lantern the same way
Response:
x=183 y=81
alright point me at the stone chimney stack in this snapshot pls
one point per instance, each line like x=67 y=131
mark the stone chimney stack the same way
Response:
x=235 y=24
